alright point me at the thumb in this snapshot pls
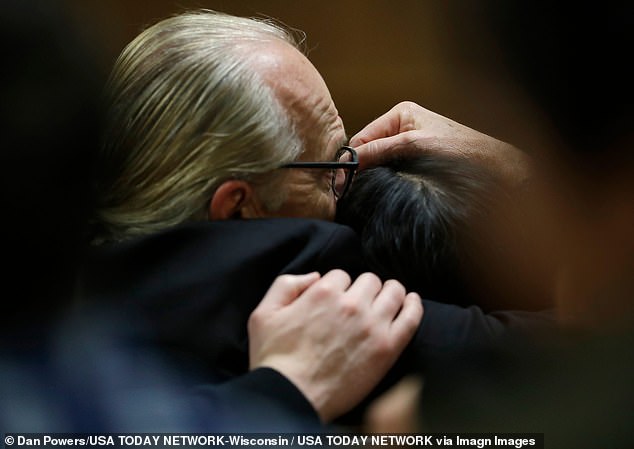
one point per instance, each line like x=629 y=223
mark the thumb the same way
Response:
x=379 y=151
x=389 y=124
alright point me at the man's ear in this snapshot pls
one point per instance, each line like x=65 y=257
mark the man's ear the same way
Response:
x=228 y=199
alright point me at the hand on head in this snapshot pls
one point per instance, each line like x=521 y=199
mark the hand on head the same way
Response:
x=333 y=338
x=408 y=130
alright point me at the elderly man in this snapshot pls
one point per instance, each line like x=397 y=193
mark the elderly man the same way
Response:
x=223 y=148
x=88 y=370
x=205 y=109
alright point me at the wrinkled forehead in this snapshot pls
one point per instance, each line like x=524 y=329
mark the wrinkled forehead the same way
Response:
x=302 y=92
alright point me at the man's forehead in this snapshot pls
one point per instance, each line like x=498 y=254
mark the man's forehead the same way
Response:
x=278 y=61
x=302 y=92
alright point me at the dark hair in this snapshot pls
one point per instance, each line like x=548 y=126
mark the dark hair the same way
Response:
x=418 y=221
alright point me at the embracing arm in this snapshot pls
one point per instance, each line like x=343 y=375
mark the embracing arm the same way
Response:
x=334 y=338
x=317 y=346
x=447 y=327
x=262 y=400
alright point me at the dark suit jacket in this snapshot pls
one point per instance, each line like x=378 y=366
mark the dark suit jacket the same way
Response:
x=195 y=286
x=93 y=372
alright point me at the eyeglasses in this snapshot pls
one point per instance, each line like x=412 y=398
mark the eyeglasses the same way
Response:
x=343 y=169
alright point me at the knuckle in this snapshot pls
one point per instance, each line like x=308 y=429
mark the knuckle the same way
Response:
x=395 y=288
x=365 y=330
x=350 y=308
x=323 y=289
x=371 y=279
x=383 y=347
x=339 y=275
x=254 y=319
x=409 y=107
x=285 y=281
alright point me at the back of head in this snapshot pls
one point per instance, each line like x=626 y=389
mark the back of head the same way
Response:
x=187 y=112
x=418 y=221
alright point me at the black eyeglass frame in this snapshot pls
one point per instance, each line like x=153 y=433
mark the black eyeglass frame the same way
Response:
x=351 y=167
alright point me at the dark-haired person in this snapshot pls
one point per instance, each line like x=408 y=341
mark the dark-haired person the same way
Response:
x=67 y=365
x=427 y=220
x=574 y=388
x=210 y=189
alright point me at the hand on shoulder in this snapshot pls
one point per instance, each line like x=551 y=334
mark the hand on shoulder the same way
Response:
x=333 y=338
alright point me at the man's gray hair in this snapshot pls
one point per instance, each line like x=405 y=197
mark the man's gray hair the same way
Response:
x=188 y=111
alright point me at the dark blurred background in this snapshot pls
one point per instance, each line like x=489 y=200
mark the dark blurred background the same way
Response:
x=372 y=54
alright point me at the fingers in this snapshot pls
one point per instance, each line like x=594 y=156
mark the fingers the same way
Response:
x=391 y=305
x=286 y=289
x=408 y=320
x=332 y=283
x=408 y=130
x=378 y=152
x=402 y=311
x=336 y=339
x=373 y=153
x=397 y=120
x=390 y=300
x=365 y=288
x=386 y=125
x=338 y=278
